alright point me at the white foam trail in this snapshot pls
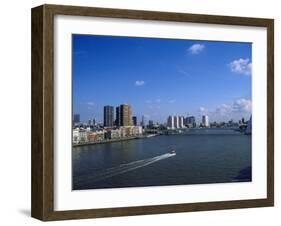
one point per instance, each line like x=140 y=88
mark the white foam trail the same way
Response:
x=123 y=168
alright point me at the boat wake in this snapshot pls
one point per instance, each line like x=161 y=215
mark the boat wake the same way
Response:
x=123 y=168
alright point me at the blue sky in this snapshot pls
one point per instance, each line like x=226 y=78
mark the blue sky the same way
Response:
x=161 y=77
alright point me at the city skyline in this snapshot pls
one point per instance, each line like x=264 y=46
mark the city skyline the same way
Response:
x=116 y=115
x=160 y=77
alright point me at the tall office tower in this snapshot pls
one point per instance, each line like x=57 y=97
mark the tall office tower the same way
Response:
x=135 y=120
x=142 y=121
x=89 y=122
x=94 y=122
x=170 y=122
x=108 y=113
x=125 y=115
x=76 y=118
x=205 y=120
x=118 y=117
x=181 y=119
x=176 y=122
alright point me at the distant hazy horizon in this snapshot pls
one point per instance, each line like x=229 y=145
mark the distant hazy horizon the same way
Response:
x=162 y=77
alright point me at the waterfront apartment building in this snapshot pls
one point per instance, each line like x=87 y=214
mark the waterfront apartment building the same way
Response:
x=79 y=136
x=176 y=122
x=130 y=131
x=181 y=121
x=205 y=121
x=125 y=115
x=96 y=136
x=108 y=116
x=112 y=134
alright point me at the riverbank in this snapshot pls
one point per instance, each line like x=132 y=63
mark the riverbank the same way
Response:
x=112 y=140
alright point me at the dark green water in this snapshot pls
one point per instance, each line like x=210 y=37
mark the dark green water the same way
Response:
x=202 y=156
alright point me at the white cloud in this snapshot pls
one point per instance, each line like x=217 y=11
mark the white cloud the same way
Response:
x=223 y=109
x=139 y=83
x=241 y=66
x=238 y=106
x=203 y=110
x=196 y=48
x=158 y=100
x=234 y=110
x=242 y=105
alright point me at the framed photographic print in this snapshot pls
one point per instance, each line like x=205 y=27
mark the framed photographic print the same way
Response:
x=141 y=112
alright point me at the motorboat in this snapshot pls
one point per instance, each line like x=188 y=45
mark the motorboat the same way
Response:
x=151 y=135
x=173 y=152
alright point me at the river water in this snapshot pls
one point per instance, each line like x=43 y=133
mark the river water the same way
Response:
x=202 y=156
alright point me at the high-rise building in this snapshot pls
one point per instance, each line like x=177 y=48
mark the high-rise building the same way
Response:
x=150 y=123
x=205 y=120
x=108 y=115
x=89 y=122
x=142 y=121
x=125 y=115
x=181 y=121
x=76 y=118
x=118 y=117
x=176 y=122
x=190 y=121
x=170 y=122
x=135 y=120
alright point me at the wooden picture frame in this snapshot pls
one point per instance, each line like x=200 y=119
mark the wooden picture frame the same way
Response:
x=43 y=112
